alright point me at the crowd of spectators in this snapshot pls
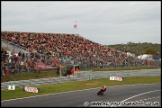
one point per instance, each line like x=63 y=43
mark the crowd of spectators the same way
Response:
x=16 y=62
x=68 y=46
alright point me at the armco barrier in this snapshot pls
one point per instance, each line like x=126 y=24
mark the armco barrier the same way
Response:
x=41 y=81
x=86 y=75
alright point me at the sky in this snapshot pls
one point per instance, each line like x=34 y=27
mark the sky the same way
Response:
x=104 y=22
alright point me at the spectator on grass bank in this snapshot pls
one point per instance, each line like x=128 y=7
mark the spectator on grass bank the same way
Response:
x=77 y=69
x=21 y=66
x=100 y=65
x=3 y=68
x=72 y=71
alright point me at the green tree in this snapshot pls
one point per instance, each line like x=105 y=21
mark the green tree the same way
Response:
x=150 y=51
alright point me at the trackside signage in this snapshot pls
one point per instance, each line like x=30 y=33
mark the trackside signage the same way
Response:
x=31 y=89
x=11 y=87
x=116 y=78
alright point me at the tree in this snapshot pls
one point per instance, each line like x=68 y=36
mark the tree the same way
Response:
x=150 y=51
x=130 y=43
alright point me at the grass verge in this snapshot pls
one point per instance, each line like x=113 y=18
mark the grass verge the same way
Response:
x=77 y=85
x=26 y=76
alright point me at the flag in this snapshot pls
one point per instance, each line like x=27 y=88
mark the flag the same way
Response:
x=75 y=26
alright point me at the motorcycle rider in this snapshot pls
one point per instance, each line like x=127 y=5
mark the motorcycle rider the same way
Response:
x=103 y=89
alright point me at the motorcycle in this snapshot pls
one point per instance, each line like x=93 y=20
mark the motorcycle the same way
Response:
x=100 y=92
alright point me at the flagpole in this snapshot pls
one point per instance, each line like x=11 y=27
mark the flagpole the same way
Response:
x=75 y=26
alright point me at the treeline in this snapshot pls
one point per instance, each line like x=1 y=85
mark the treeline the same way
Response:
x=139 y=48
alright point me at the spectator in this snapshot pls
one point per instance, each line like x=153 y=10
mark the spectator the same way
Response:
x=100 y=65
x=3 y=69
x=78 y=49
x=72 y=71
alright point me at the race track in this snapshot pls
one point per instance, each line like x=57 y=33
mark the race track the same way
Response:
x=143 y=95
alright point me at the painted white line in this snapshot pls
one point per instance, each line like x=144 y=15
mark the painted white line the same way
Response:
x=138 y=95
x=150 y=98
x=50 y=94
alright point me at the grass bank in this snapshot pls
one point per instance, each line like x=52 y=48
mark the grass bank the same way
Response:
x=26 y=76
x=78 y=85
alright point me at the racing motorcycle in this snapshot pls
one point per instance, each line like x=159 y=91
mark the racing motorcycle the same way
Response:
x=100 y=92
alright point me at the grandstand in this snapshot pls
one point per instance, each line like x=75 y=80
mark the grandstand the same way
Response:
x=41 y=49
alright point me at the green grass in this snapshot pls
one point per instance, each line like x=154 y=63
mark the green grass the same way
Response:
x=78 y=85
x=125 y=68
x=26 y=76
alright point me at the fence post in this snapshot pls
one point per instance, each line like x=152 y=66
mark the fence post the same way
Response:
x=148 y=63
x=60 y=70
x=45 y=61
x=74 y=70
x=37 y=65
x=18 y=65
x=90 y=76
x=28 y=69
x=7 y=44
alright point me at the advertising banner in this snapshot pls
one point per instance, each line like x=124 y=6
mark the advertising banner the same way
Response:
x=31 y=89
x=116 y=78
x=11 y=87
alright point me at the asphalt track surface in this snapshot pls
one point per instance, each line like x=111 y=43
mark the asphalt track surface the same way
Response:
x=128 y=95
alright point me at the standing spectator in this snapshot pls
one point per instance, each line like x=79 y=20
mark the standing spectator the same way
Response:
x=72 y=71
x=21 y=66
x=27 y=66
x=23 y=56
x=100 y=65
x=19 y=54
x=3 y=69
x=6 y=54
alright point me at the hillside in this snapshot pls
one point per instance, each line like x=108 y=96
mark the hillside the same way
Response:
x=137 y=48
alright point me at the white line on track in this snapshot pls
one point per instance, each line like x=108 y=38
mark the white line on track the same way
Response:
x=140 y=95
x=136 y=96
x=149 y=98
